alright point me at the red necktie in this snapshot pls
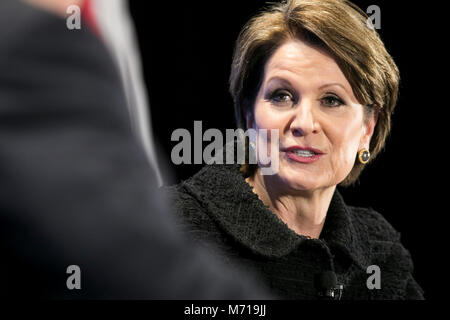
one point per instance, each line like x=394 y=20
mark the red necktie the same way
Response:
x=89 y=16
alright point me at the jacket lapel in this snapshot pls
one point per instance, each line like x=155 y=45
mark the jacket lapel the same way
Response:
x=231 y=203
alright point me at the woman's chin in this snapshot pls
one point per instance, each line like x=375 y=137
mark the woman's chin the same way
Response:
x=302 y=186
x=295 y=182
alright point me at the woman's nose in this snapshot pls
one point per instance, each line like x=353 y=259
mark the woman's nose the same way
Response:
x=303 y=121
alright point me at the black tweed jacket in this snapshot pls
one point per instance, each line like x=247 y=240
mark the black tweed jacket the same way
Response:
x=217 y=207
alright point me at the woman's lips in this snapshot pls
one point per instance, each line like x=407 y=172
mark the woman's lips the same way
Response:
x=303 y=159
x=303 y=154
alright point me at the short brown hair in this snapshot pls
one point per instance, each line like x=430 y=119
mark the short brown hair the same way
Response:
x=339 y=27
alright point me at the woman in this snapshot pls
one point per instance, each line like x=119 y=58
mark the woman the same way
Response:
x=315 y=72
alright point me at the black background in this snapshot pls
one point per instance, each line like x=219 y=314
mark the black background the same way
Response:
x=187 y=50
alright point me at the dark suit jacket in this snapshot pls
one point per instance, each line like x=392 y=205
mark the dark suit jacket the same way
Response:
x=217 y=207
x=75 y=187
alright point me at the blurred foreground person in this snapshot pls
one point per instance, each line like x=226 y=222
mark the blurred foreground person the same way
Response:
x=76 y=190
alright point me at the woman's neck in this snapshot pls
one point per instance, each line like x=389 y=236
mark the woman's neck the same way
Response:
x=303 y=212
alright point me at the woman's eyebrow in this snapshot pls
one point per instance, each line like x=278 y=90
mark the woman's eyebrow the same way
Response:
x=333 y=84
x=283 y=81
x=278 y=79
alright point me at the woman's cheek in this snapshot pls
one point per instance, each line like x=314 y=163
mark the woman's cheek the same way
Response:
x=264 y=118
x=346 y=160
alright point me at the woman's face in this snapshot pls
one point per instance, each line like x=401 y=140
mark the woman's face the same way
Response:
x=305 y=95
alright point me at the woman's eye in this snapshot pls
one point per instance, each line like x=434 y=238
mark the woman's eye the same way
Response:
x=332 y=101
x=282 y=97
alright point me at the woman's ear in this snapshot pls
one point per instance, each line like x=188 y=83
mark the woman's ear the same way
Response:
x=368 y=130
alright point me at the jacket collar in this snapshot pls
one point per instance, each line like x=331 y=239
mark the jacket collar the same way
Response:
x=230 y=201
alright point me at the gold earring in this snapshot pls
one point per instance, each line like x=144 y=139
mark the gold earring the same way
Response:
x=364 y=156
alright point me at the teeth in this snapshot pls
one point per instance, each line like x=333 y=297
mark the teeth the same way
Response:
x=303 y=153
